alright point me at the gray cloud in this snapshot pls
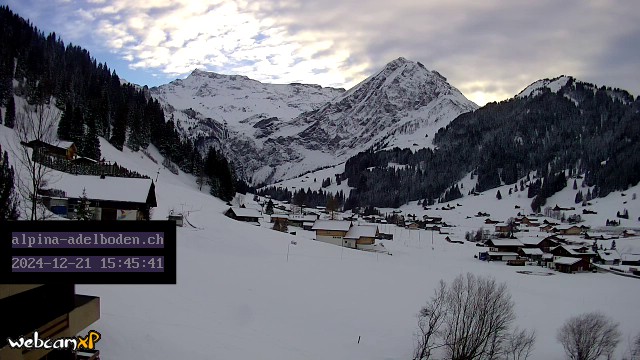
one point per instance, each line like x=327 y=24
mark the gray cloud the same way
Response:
x=496 y=47
x=489 y=49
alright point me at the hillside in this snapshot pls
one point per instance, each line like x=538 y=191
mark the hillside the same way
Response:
x=554 y=125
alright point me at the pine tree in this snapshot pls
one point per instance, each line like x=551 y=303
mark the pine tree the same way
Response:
x=575 y=185
x=8 y=198
x=498 y=195
x=269 y=209
x=613 y=245
x=66 y=122
x=10 y=115
x=84 y=212
x=579 y=197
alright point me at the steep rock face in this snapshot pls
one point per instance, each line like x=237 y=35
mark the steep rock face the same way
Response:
x=272 y=132
x=402 y=105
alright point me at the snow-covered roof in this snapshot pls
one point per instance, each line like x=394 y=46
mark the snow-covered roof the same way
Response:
x=566 y=227
x=303 y=218
x=609 y=255
x=335 y=225
x=310 y=223
x=64 y=144
x=506 y=242
x=572 y=249
x=532 y=251
x=279 y=216
x=246 y=212
x=566 y=260
x=110 y=188
x=547 y=256
x=630 y=257
x=629 y=232
x=358 y=231
x=531 y=240
x=500 y=253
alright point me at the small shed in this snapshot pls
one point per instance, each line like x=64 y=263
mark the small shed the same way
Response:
x=178 y=218
x=244 y=214
x=570 y=264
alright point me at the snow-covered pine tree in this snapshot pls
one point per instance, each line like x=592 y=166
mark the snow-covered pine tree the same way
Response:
x=84 y=212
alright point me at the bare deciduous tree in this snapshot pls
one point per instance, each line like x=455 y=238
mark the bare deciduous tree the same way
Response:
x=35 y=122
x=470 y=319
x=589 y=336
x=519 y=345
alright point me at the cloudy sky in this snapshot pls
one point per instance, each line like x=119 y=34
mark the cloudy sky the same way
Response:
x=488 y=49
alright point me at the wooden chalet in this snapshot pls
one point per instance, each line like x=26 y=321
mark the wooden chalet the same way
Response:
x=491 y=222
x=63 y=149
x=281 y=218
x=608 y=257
x=110 y=198
x=299 y=219
x=503 y=228
x=568 y=230
x=412 y=226
x=571 y=264
x=361 y=237
x=629 y=233
x=558 y=208
x=547 y=228
x=544 y=244
x=244 y=214
x=331 y=231
x=583 y=252
x=504 y=245
x=630 y=259
x=533 y=254
x=432 y=219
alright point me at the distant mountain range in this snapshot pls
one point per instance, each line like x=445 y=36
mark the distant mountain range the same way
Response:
x=272 y=132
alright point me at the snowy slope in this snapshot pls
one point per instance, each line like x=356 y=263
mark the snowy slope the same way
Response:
x=313 y=181
x=238 y=297
x=275 y=132
x=553 y=84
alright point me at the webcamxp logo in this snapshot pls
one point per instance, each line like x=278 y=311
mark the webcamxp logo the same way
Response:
x=71 y=343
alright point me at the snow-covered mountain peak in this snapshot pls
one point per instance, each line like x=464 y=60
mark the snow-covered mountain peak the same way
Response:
x=553 y=85
x=273 y=132
x=570 y=88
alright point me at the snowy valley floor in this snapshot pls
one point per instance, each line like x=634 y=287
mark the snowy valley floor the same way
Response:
x=237 y=297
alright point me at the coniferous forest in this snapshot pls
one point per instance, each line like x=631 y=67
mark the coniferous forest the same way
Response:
x=583 y=129
x=93 y=101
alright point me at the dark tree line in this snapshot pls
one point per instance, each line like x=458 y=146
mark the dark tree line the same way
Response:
x=219 y=175
x=503 y=142
x=310 y=198
x=93 y=100
x=8 y=196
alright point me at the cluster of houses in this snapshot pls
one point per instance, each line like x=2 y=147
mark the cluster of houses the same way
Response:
x=338 y=232
x=553 y=252
x=524 y=222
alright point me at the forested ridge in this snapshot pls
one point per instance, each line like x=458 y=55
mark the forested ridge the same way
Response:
x=581 y=129
x=93 y=101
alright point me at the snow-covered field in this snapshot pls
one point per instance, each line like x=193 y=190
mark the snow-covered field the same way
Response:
x=237 y=296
